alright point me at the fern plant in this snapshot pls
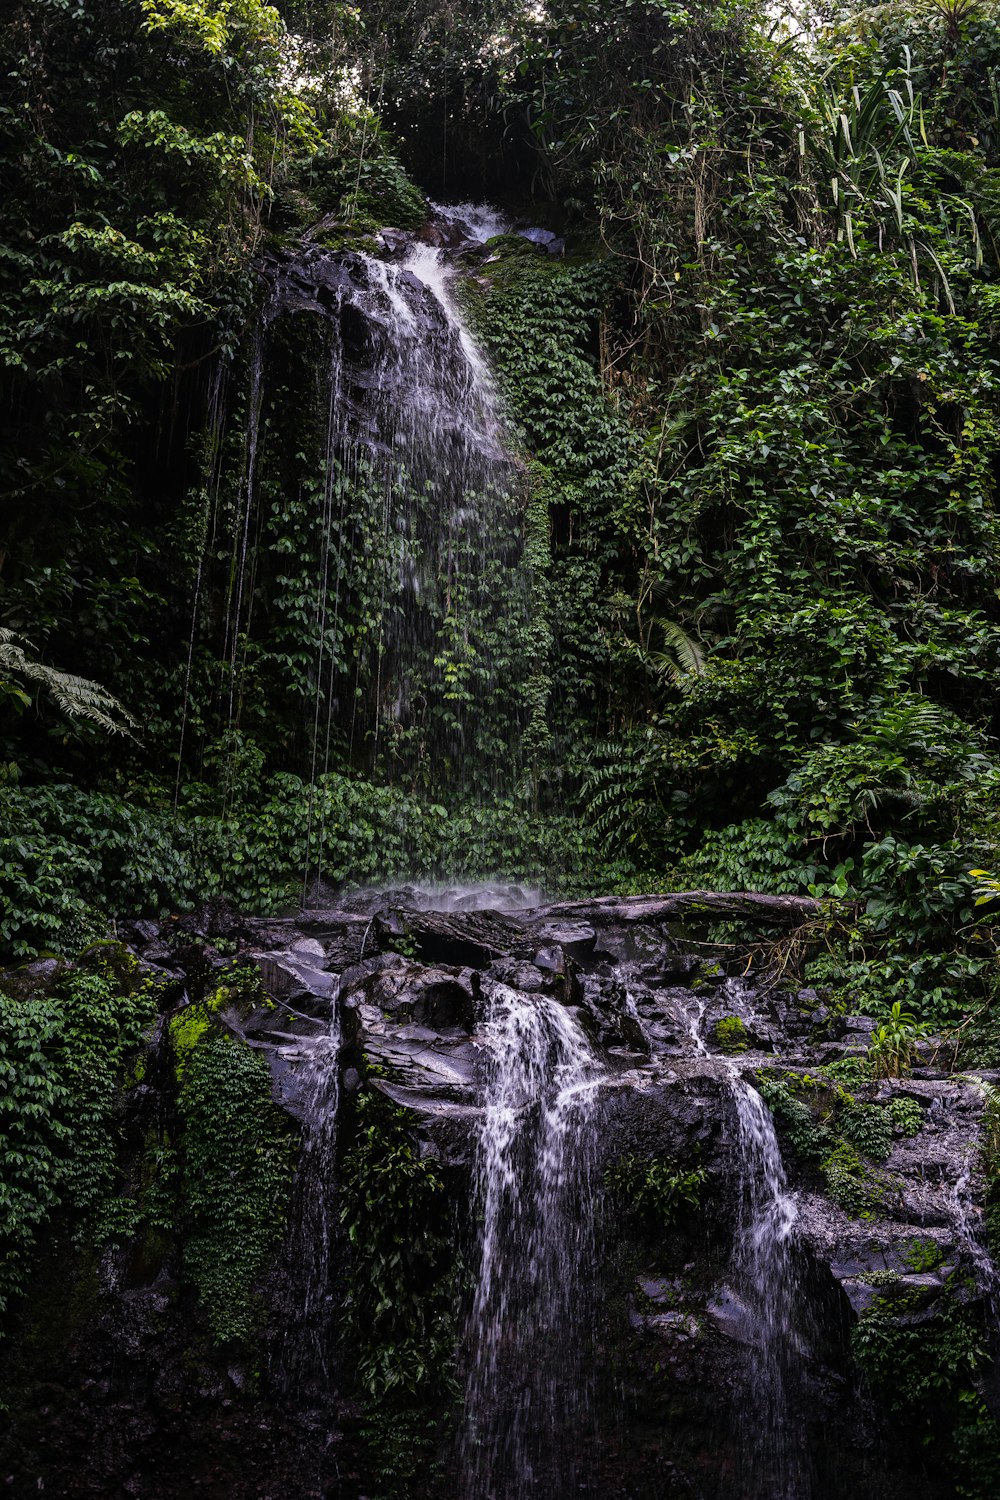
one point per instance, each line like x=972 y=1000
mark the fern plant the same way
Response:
x=76 y=697
x=679 y=659
x=619 y=794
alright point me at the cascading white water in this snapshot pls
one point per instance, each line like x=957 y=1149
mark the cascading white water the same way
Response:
x=767 y=1290
x=417 y=436
x=764 y=1302
x=431 y=268
x=306 y=1355
x=693 y=1020
x=412 y=646
x=527 y=1395
x=972 y=1233
x=477 y=221
x=239 y=601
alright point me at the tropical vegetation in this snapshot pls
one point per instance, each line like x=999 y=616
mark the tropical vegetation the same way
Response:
x=755 y=407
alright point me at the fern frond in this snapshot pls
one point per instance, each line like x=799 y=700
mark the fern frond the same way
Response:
x=76 y=697
x=680 y=659
x=619 y=794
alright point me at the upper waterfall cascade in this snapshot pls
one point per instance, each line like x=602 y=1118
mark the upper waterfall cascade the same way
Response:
x=421 y=594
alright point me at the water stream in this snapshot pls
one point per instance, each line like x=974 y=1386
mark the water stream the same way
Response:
x=969 y=1222
x=766 y=1287
x=528 y=1395
x=306 y=1370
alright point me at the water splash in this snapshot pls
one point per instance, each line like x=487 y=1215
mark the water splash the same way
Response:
x=528 y=1392
x=478 y=222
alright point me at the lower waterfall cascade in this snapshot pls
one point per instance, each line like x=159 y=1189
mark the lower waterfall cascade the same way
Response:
x=764 y=1268
x=307 y=1363
x=645 y=1288
x=527 y=1388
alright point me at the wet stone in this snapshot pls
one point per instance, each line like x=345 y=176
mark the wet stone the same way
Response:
x=575 y=938
x=524 y=1080
x=308 y=947
x=518 y=973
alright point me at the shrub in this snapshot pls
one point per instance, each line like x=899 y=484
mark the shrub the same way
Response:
x=894 y=1043
x=655 y=1190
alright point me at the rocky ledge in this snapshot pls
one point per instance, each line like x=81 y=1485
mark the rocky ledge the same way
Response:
x=385 y=995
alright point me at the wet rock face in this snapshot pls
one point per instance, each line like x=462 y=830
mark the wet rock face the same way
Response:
x=884 y=1179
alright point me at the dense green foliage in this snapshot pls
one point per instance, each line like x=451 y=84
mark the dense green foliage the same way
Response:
x=235 y=1170
x=816 y=387
x=655 y=1192
x=68 y=857
x=64 y=1053
x=754 y=419
x=404 y=1281
x=928 y=1374
x=841 y=1138
x=203 y=1186
x=755 y=408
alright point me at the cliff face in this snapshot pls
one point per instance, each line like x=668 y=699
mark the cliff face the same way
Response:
x=450 y=1194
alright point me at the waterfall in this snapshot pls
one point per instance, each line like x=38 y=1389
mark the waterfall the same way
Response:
x=527 y=1395
x=362 y=554
x=768 y=1300
x=972 y=1235
x=306 y=1355
x=421 y=599
x=764 y=1300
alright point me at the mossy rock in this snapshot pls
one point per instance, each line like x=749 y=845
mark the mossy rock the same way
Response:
x=731 y=1036
x=513 y=245
x=238 y=989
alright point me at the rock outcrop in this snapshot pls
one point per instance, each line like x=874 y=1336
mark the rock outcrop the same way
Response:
x=389 y=992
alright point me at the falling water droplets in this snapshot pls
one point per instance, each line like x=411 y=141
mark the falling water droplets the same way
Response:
x=420 y=595
x=306 y=1362
x=969 y=1222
